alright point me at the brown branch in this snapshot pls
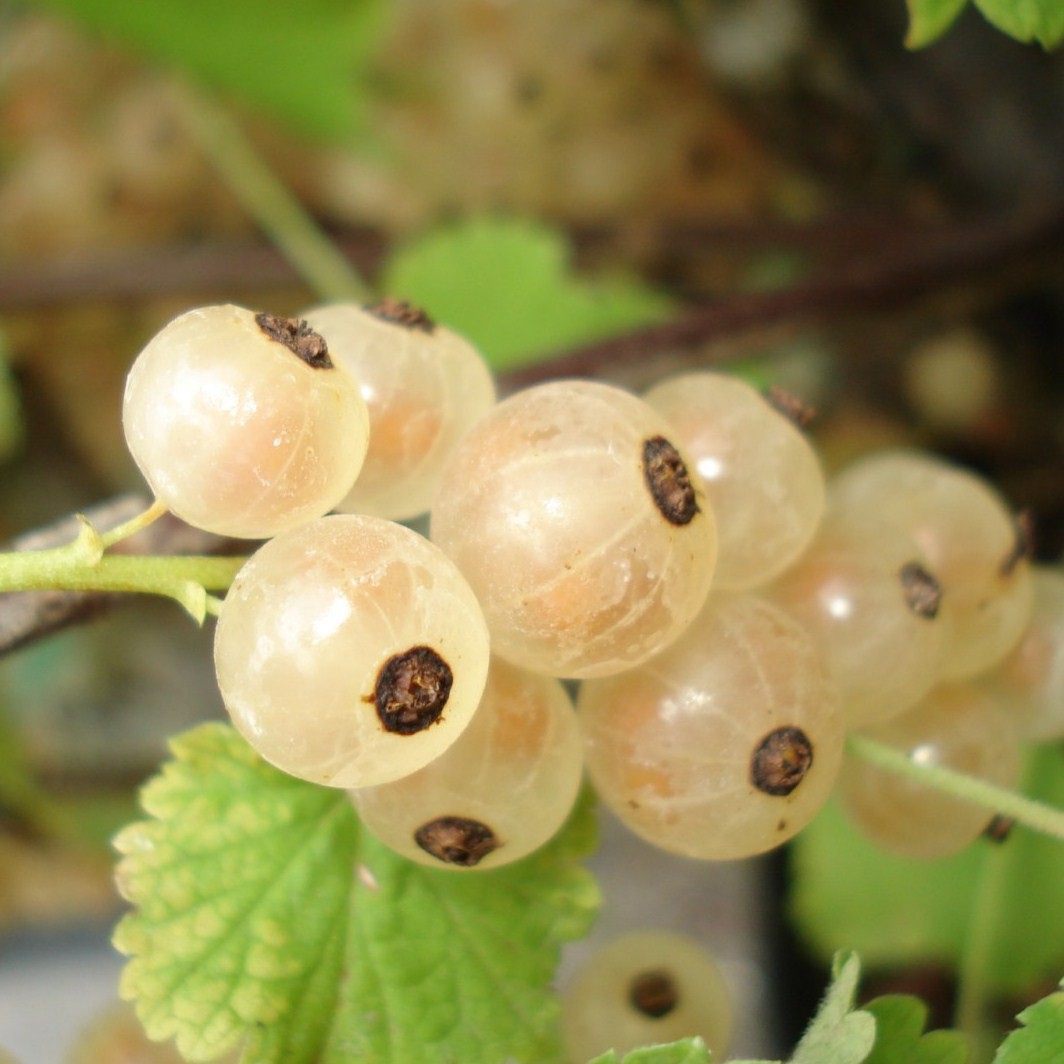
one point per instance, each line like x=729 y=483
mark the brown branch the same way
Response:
x=202 y=269
x=1006 y=250
x=235 y=267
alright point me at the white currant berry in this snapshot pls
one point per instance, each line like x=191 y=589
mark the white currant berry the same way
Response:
x=761 y=474
x=423 y=385
x=727 y=743
x=865 y=592
x=646 y=988
x=957 y=726
x=971 y=541
x=502 y=790
x=350 y=651
x=1029 y=682
x=574 y=519
x=241 y=422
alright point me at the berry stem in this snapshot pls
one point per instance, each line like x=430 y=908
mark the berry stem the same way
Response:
x=272 y=205
x=81 y=566
x=133 y=525
x=1031 y=814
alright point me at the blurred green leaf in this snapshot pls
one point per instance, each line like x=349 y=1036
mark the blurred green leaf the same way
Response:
x=900 y=1020
x=263 y=912
x=507 y=286
x=1041 y=1038
x=839 y=1034
x=929 y=19
x=895 y=911
x=301 y=61
x=1026 y=20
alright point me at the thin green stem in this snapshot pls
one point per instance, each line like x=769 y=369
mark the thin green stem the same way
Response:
x=149 y=574
x=270 y=203
x=184 y=578
x=213 y=605
x=133 y=525
x=974 y=974
x=995 y=799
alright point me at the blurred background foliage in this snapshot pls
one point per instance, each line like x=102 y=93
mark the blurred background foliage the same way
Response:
x=540 y=175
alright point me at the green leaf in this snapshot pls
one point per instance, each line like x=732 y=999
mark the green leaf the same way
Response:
x=264 y=913
x=929 y=19
x=838 y=1034
x=686 y=1051
x=1027 y=20
x=299 y=60
x=900 y=1020
x=894 y=911
x=1041 y=1038
x=507 y=285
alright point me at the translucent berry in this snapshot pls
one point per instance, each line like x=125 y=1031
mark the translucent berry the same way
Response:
x=423 y=385
x=971 y=541
x=646 y=988
x=241 y=422
x=956 y=726
x=724 y=745
x=865 y=592
x=350 y=651
x=499 y=792
x=575 y=520
x=1029 y=682
x=761 y=474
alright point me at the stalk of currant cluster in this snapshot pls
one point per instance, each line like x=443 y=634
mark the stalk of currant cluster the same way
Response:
x=87 y=564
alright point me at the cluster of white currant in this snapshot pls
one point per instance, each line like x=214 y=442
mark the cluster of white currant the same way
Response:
x=576 y=531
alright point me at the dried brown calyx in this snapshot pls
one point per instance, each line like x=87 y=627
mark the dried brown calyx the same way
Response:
x=923 y=593
x=1023 y=548
x=298 y=337
x=654 y=993
x=999 y=827
x=790 y=406
x=781 y=761
x=669 y=482
x=400 y=312
x=457 y=840
x=412 y=690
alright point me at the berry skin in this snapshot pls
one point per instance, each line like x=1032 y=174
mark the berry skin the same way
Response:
x=350 y=651
x=761 y=474
x=968 y=536
x=242 y=424
x=865 y=592
x=645 y=988
x=958 y=726
x=423 y=386
x=499 y=792
x=576 y=523
x=723 y=746
x=1030 y=681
